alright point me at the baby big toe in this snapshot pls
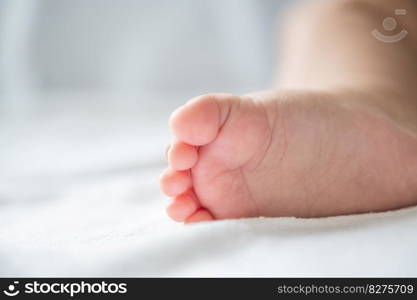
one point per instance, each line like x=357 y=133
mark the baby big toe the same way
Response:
x=197 y=122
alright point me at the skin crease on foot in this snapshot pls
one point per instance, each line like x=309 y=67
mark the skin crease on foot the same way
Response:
x=335 y=150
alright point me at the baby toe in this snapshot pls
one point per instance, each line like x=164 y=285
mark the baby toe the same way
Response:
x=174 y=183
x=202 y=215
x=196 y=123
x=182 y=156
x=182 y=207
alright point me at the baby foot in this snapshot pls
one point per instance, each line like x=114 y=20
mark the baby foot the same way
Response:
x=282 y=153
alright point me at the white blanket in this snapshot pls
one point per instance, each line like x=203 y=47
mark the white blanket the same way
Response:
x=66 y=213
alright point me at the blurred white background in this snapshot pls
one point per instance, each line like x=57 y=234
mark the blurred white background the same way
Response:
x=90 y=84
x=136 y=45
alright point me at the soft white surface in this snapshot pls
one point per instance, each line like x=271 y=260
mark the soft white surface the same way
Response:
x=117 y=227
x=79 y=197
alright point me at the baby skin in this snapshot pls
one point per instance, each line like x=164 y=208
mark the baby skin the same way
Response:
x=341 y=140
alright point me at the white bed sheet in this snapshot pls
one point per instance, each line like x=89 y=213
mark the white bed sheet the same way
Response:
x=69 y=221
